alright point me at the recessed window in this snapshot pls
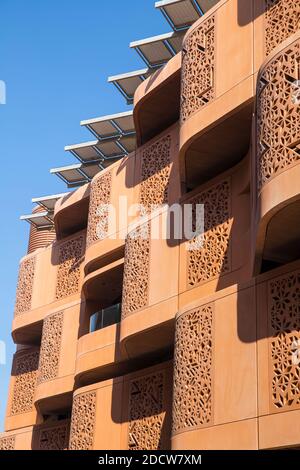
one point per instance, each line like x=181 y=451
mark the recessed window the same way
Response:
x=105 y=317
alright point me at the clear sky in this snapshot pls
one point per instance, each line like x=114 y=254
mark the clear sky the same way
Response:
x=55 y=57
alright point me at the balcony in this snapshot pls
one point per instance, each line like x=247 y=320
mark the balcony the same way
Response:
x=113 y=415
x=105 y=234
x=98 y=351
x=254 y=327
x=223 y=258
x=277 y=158
x=157 y=101
x=55 y=377
x=150 y=294
x=50 y=435
x=21 y=411
x=62 y=265
x=71 y=212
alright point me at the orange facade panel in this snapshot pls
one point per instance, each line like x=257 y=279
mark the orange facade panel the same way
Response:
x=133 y=334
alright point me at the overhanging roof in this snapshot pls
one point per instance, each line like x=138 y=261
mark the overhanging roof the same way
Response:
x=48 y=202
x=127 y=83
x=78 y=174
x=40 y=220
x=111 y=126
x=180 y=14
x=158 y=50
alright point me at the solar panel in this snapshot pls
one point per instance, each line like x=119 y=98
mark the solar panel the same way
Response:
x=158 y=50
x=40 y=220
x=99 y=150
x=48 y=202
x=181 y=14
x=78 y=174
x=127 y=83
x=111 y=126
x=85 y=152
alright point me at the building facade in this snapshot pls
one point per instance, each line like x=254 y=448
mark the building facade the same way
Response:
x=134 y=341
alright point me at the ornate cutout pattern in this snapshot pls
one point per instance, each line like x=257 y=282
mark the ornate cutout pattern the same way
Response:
x=25 y=286
x=100 y=197
x=156 y=168
x=136 y=270
x=192 y=399
x=146 y=412
x=25 y=370
x=284 y=308
x=7 y=443
x=68 y=275
x=50 y=347
x=198 y=69
x=83 y=422
x=278 y=106
x=282 y=21
x=54 y=437
x=212 y=259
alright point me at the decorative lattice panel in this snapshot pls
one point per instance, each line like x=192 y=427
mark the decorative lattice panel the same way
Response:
x=198 y=68
x=278 y=107
x=25 y=371
x=192 y=399
x=156 y=167
x=146 y=412
x=282 y=20
x=98 y=213
x=25 y=286
x=284 y=320
x=136 y=270
x=54 y=437
x=212 y=258
x=7 y=443
x=83 y=422
x=68 y=274
x=50 y=347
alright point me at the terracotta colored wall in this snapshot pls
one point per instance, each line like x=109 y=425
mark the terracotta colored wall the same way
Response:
x=231 y=317
x=131 y=412
x=40 y=238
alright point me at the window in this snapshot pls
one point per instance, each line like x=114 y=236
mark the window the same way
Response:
x=105 y=317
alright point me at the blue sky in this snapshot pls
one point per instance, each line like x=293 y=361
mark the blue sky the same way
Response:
x=55 y=57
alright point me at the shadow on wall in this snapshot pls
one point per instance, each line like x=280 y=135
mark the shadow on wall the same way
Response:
x=259 y=9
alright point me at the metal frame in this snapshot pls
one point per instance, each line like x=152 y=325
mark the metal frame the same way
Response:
x=30 y=219
x=39 y=200
x=102 y=156
x=162 y=3
x=92 y=144
x=142 y=74
x=112 y=120
x=164 y=38
x=80 y=168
